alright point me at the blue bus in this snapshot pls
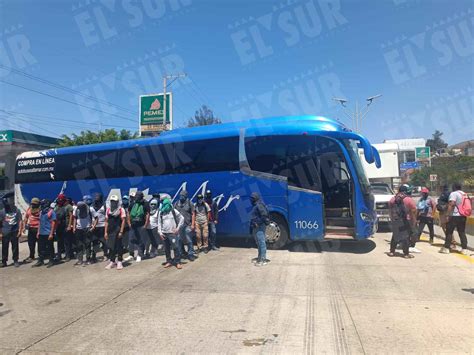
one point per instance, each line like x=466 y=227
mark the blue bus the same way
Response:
x=306 y=168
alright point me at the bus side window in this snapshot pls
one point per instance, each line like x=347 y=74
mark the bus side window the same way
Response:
x=145 y=161
x=267 y=154
x=303 y=163
x=71 y=167
x=101 y=164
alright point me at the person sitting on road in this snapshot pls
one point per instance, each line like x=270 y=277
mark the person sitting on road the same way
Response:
x=170 y=221
x=200 y=224
x=259 y=219
x=115 y=220
x=186 y=208
x=402 y=219
x=459 y=209
x=424 y=212
x=11 y=226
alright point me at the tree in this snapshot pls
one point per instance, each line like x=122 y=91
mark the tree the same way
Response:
x=89 y=137
x=203 y=117
x=436 y=143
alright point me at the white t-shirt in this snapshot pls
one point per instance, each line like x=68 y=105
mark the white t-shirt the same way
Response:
x=456 y=197
x=100 y=215
x=153 y=220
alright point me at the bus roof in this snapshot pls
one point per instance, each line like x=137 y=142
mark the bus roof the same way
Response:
x=283 y=124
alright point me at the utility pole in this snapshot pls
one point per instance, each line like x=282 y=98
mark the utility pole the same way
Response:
x=357 y=116
x=173 y=78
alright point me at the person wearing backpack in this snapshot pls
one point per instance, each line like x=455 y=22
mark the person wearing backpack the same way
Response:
x=11 y=225
x=403 y=219
x=81 y=224
x=200 y=224
x=424 y=213
x=170 y=221
x=139 y=218
x=186 y=208
x=459 y=209
x=259 y=219
x=45 y=235
x=442 y=207
x=63 y=212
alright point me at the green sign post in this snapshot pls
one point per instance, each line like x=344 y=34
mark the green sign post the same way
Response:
x=422 y=153
x=153 y=111
x=6 y=136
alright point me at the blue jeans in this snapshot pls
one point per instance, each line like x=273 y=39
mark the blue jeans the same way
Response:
x=212 y=234
x=138 y=236
x=186 y=239
x=259 y=235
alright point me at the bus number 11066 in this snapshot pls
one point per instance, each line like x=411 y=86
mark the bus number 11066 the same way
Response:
x=306 y=225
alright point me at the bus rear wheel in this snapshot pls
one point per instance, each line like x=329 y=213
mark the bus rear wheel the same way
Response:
x=276 y=233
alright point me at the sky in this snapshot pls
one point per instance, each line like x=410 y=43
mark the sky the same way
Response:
x=67 y=66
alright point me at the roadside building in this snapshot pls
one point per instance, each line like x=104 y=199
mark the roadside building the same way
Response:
x=13 y=143
x=463 y=148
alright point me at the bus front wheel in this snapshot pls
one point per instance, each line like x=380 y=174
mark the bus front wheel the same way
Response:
x=276 y=232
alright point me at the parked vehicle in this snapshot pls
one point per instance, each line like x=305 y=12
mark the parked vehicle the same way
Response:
x=382 y=194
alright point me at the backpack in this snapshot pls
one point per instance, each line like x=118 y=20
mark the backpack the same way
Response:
x=465 y=208
x=400 y=210
x=443 y=201
x=137 y=213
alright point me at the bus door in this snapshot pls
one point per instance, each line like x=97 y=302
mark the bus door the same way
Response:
x=305 y=214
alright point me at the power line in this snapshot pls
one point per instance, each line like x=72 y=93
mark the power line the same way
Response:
x=65 y=88
x=54 y=134
x=68 y=101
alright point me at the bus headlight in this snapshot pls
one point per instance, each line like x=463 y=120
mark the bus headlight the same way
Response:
x=366 y=217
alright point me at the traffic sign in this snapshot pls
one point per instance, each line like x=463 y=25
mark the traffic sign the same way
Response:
x=6 y=136
x=422 y=153
x=433 y=177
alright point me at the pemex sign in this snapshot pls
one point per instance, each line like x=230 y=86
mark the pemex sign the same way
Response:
x=152 y=112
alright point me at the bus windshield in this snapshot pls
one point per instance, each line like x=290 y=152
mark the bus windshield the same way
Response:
x=352 y=149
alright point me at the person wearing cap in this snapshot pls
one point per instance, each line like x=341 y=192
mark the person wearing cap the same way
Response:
x=170 y=221
x=139 y=218
x=126 y=235
x=424 y=213
x=63 y=215
x=213 y=220
x=11 y=226
x=45 y=235
x=259 y=219
x=200 y=223
x=186 y=208
x=152 y=227
x=31 y=223
x=81 y=224
x=115 y=220
x=403 y=220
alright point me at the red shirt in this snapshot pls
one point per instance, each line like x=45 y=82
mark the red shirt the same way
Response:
x=33 y=218
x=408 y=202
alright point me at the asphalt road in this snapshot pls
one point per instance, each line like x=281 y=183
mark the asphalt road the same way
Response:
x=341 y=297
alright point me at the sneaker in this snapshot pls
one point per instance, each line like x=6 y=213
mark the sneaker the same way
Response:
x=444 y=250
x=192 y=258
x=50 y=264
x=465 y=251
x=408 y=256
x=391 y=254
x=431 y=241
x=67 y=259
x=263 y=262
x=139 y=258
x=39 y=263
x=414 y=250
x=179 y=266
x=28 y=260
x=88 y=262
x=110 y=265
x=215 y=248
x=206 y=251
x=4 y=264
x=255 y=260
x=259 y=263
x=16 y=263
x=78 y=263
x=119 y=265
x=167 y=265
x=128 y=258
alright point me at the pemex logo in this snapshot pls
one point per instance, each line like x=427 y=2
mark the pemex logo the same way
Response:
x=155 y=105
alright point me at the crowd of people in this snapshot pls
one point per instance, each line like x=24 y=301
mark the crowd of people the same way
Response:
x=62 y=230
x=408 y=219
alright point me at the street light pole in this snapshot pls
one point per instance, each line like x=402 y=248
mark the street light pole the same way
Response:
x=165 y=85
x=357 y=116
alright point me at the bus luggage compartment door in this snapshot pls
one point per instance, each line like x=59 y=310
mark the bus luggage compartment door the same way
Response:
x=305 y=214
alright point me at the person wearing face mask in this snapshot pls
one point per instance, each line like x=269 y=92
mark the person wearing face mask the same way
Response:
x=63 y=213
x=98 y=226
x=138 y=219
x=11 y=226
x=424 y=213
x=31 y=223
x=115 y=220
x=45 y=236
x=200 y=223
x=186 y=208
x=170 y=221
x=81 y=224
x=152 y=228
x=213 y=220
x=127 y=245
x=259 y=219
